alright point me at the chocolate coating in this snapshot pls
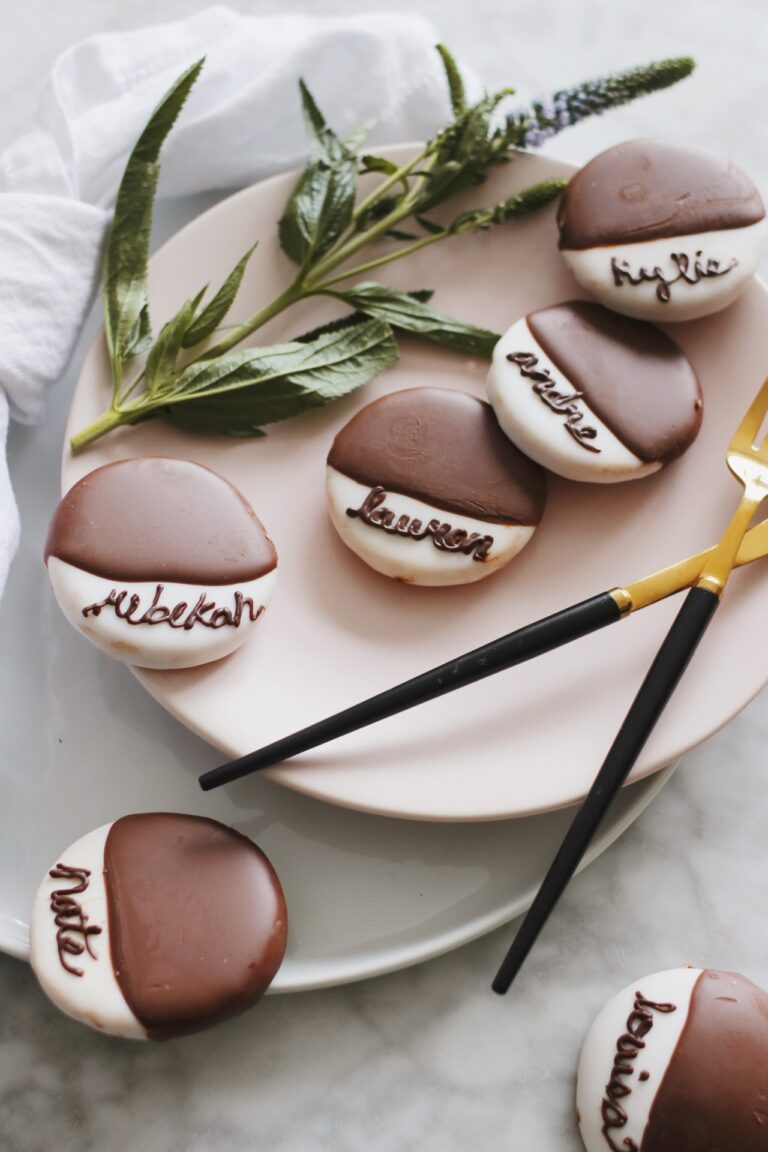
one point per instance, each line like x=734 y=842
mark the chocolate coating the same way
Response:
x=714 y=1095
x=159 y=519
x=445 y=448
x=650 y=189
x=197 y=920
x=633 y=376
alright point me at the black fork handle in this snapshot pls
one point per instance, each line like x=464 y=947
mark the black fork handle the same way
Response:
x=663 y=677
x=514 y=648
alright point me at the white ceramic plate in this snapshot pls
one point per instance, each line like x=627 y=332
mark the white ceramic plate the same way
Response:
x=528 y=740
x=81 y=743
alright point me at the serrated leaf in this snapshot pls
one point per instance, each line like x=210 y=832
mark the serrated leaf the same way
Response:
x=348 y=321
x=240 y=391
x=321 y=205
x=407 y=313
x=161 y=361
x=212 y=315
x=126 y=307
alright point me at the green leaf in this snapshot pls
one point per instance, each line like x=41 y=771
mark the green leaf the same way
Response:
x=378 y=164
x=243 y=390
x=321 y=205
x=404 y=311
x=161 y=361
x=455 y=82
x=212 y=315
x=126 y=307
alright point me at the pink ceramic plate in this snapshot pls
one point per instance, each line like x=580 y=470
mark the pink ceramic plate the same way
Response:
x=529 y=739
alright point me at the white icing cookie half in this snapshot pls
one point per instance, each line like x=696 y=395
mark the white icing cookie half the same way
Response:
x=69 y=941
x=424 y=487
x=160 y=563
x=158 y=925
x=159 y=625
x=391 y=533
x=594 y=396
x=675 y=279
x=662 y=232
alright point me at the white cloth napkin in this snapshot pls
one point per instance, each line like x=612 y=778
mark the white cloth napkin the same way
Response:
x=241 y=123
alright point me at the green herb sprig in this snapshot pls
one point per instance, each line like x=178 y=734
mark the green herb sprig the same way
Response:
x=194 y=372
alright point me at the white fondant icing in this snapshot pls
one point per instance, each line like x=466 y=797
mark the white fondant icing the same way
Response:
x=417 y=561
x=600 y=1047
x=592 y=268
x=540 y=431
x=95 y=998
x=156 y=645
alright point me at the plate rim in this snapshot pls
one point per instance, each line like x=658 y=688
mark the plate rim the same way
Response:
x=404 y=957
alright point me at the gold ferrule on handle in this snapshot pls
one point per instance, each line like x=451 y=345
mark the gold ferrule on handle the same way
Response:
x=711 y=584
x=623 y=600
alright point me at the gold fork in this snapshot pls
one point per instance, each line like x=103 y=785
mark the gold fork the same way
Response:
x=748 y=461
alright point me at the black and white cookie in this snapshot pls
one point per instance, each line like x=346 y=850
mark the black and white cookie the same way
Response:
x=158 y=925
x=592 y=395
x=424 y=486
x=160 y=563
x=677 y=1063
x=662 y=232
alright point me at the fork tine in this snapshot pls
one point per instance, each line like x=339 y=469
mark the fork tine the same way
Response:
x=746 y=434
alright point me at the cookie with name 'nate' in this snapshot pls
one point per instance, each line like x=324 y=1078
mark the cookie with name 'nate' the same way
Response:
x=424 y=486
x=160 y=563
x=158 y=925
x=592 y=395
x=677 y=1062
x=660 y=231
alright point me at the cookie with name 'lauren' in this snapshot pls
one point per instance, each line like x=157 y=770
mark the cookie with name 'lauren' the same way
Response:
x=592 y=395
x=424 y=486
x=158 y=925
x=160 y=563
x=677 y=1062
x=660 y=231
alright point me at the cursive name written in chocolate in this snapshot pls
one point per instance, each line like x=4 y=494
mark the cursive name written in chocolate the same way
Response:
x=444 y=536
x=564 y=403
x=628 y=1047
x=207 y=613
x=73 y=932
x=691 y=271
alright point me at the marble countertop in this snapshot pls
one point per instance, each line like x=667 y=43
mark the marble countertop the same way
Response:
x=428 y=1058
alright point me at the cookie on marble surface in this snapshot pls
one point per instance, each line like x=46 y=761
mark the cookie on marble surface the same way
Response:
x=677 y=1062
x=158 y=925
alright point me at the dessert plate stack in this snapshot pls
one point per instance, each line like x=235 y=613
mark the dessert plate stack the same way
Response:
x=376 y=837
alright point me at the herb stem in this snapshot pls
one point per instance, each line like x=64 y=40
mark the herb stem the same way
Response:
x=359 y=269
x=334 y=259
x=107 y=422
x=384 y=186
x=239 y=332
